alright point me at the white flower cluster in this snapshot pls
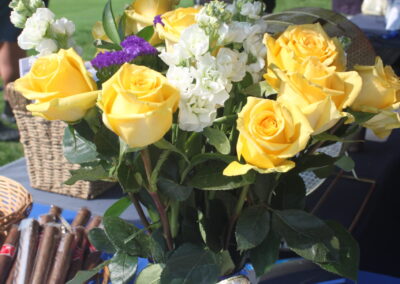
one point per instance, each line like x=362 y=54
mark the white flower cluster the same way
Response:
x=22 y=10
x=46 y=34
x=211 y=55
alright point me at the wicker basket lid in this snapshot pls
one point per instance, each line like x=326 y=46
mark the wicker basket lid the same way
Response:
x=15 y=203
x=360 y=51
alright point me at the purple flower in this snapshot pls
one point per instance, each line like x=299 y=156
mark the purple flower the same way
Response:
x=158 y=20
x=133 y=46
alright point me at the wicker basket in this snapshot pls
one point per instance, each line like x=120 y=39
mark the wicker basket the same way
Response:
x=15 y=203
x=42 y=141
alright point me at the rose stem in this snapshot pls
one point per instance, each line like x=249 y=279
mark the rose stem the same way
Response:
x=139 y=210
x=156 y=198
x=238 y=210
x=331 y=131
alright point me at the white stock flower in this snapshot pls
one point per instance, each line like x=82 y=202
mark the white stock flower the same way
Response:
x=254 y=45
x=252 y=10
x=46 y=46
x=233 y=32
x=195 y=40
x=204 y=20
x=196 y=113
x=177 y=56
x=232 y=64
x=182 y=78
x=17 y=19
x=63 y=26
x=231 y=8
x=34 y=4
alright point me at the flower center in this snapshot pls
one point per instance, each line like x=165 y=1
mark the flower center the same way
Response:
x=269 y=126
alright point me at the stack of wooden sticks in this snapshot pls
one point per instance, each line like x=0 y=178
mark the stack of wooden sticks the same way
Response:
x=49 y=250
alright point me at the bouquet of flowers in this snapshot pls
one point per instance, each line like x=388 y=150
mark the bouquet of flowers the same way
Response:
x=207 y=120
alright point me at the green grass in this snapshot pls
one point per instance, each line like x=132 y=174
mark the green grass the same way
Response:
x=84 y=13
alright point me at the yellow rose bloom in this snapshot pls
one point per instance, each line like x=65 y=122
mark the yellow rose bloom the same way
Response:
x=142 y=12
x=174 y=23
x=297 y=44
x=269 y=134
x=138 y=104
x=60 y=86
x=380 y=94
x=319 y=92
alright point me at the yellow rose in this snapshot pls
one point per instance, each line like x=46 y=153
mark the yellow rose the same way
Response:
x=297 y=44
x=174 y=22
x=380 y=94
x=319 y=92
x=60 y=85
x=270 y=134
x=138 y=104
x=142 y=12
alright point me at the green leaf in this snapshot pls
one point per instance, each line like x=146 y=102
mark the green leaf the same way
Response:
x=146 y=33
x=324 y=172
x=77 y=149
x=129 y=180
x=290 y=193
x=190 y=264
x=252 y=227
x=246 y=82
x=122 y=268
x=165 y=145
x=101 y=44
x=99 y=240
x=330 y=137
x=84 y=275
x=118 y=231
x=261 y=89
x=225 y=262
x=349 y=253
x=122 y=26
x=88 y=174
x=211 y=178
x=264 y=256
x=158 y=246
x=151 y=274
x=173 y=190
x=314 y=161
x=218 y=139
x=346 y=163
x=156 y=171
x=107 y=142
x=361 y=117
x=118 y=207
x=305 y=234
x=264 y=186
x=109 y=25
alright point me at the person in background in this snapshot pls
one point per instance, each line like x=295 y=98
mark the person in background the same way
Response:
x=347 y=7
x=10 y=53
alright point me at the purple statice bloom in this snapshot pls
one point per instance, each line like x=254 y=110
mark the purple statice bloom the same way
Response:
x=158 y=20
x=133 y=46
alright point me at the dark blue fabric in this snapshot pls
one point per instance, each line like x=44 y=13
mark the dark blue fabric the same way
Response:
x=7 y=30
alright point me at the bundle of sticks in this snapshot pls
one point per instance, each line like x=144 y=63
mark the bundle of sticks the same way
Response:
x=48 y=250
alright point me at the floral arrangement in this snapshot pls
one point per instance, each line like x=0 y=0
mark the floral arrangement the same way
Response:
x=207 y=120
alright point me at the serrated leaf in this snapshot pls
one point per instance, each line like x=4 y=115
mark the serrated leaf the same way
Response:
x=346 y=163
x=151 y=274
x=361 y=117
x=83 y=276
x=349 y=253
x=252 y=227
x=265 y=185
x=261 y=89
x=173 y=190
x=314 y=161
x=146 y=33
x=88 y=174
x=77 y=149
x=218 y=139
x=305 y=234
x=225 y=262
x=118 y=207
x=165 y=145
x=324 y=172
x=118 y=230
x=264 y=256
x=290 y=193
x=100 y=241
x=109 y=25
x=107 y=142
x=122 y=268
x=129 y=180
x=190 y=264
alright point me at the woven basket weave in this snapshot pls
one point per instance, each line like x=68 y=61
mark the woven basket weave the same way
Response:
x=15 y=203
x=42 y=141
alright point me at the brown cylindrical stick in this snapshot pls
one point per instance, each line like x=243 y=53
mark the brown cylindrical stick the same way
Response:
x=27 y=248
x=7 y=252
x=46 y=218
x=10 y=279
x=78 y=254
x=55 y=211
x=94 y=223
x=45 y=255
x=63 y=259
x=82 y=217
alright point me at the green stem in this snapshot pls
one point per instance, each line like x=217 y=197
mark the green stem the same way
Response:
x=174 y=218
x=238 y=210
x=140 y=212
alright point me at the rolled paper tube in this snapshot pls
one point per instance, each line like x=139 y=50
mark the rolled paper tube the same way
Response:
x=63 y=259
x=10 y=278
x=27 y=248
x=44 y=219
x=45 y=255
x=7 y=252
x=94 y=256
x=81 y=218
x=55 y=211
x=78 y=254
x=94 y=223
